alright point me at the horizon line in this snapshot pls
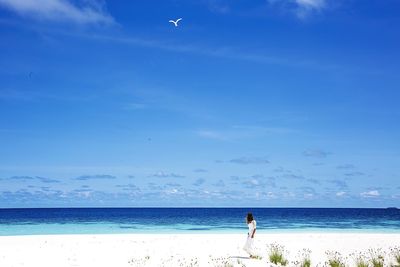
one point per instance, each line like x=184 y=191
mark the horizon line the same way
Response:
x=199 y=207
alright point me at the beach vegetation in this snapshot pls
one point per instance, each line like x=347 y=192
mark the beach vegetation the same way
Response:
x=276 y=255
x=362 y=264
x=362 y=260
x=395 y=254
x=377 y=262
x=305 y=263
x=305 y=260
x=335 y=259
x=377 y=259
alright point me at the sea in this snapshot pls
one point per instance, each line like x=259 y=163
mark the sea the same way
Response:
x=44 y=221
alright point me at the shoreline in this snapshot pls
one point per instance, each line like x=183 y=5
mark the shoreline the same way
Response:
x=211 y=232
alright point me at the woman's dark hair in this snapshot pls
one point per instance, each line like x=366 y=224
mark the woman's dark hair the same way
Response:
x=249 y=217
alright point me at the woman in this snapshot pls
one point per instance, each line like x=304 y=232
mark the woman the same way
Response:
x=251 y=223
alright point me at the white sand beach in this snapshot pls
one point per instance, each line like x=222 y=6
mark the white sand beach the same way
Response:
x=180 y=249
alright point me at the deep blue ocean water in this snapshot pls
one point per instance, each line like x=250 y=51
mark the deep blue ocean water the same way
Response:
x=194 y=220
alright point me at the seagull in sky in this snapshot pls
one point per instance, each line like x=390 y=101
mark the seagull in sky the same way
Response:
x=175 y=22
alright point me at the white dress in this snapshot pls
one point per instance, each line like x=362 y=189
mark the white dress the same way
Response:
x=248 y=247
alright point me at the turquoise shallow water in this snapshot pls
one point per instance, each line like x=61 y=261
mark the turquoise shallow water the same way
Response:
x=194 y=220
x=57 y=229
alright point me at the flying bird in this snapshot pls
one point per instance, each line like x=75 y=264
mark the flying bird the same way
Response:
x=175 y=22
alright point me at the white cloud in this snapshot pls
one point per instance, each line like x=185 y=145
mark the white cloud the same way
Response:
x=200 y=170
x=227 y=52
x=308 y=195
x=341 y=194
x=236 y=132
x=172 y=191
x=254 y=182
x=316 y=153
x=372 y=193
x=60 y=10
x=271 y=195
x=218 y=6
x=303 y=7
x=250 y=160
x=162 y=174
x=345 y=167
x=317 y=4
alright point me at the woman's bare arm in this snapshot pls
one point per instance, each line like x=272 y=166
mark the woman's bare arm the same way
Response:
x=254 y=231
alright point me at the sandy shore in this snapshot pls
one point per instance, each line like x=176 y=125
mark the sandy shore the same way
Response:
x=178 y=249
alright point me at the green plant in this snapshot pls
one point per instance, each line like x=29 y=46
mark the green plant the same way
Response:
x=305 y=260
x=335 y=259
x=361 y=260
x=377 y=260
x=335 y=263
x=305 y=263
x=276 y=255
x=362 y=263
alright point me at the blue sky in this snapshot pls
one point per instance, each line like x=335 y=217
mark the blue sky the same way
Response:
x=245 y=103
